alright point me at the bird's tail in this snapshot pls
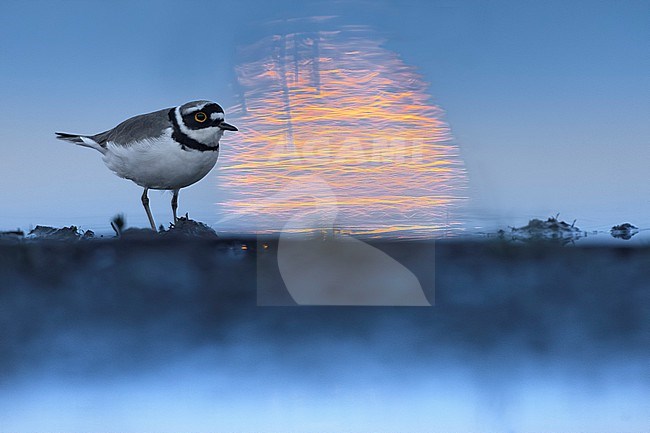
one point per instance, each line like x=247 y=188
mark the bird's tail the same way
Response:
x=81 y=140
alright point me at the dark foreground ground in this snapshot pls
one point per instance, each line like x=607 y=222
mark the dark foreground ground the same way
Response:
x=203 y=335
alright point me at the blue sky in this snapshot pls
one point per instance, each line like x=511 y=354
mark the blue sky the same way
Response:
x=548 y=101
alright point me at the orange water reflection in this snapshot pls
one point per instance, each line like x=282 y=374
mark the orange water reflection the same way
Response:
x=339 y=106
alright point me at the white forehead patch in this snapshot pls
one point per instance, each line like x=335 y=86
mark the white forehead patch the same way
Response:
x=193 y=109
x=197 y=107
x=215 y=116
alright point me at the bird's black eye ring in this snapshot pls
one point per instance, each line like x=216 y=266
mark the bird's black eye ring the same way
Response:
x=200 y=117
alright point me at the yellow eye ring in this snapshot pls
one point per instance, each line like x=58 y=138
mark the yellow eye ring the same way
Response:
x=200 y=117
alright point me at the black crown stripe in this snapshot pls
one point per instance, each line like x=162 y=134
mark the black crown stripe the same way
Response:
x=184 y=140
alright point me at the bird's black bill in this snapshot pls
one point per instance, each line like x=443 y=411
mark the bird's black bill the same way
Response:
x=227 y=126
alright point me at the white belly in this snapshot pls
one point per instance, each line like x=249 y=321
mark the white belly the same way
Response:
x=159 y=163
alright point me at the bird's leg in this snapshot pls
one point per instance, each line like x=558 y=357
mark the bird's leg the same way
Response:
x=145 y=203
x=175 y=204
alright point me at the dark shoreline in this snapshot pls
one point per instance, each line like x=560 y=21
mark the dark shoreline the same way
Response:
x=483 y=293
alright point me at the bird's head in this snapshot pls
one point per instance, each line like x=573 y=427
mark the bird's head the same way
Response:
x=202 y=121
